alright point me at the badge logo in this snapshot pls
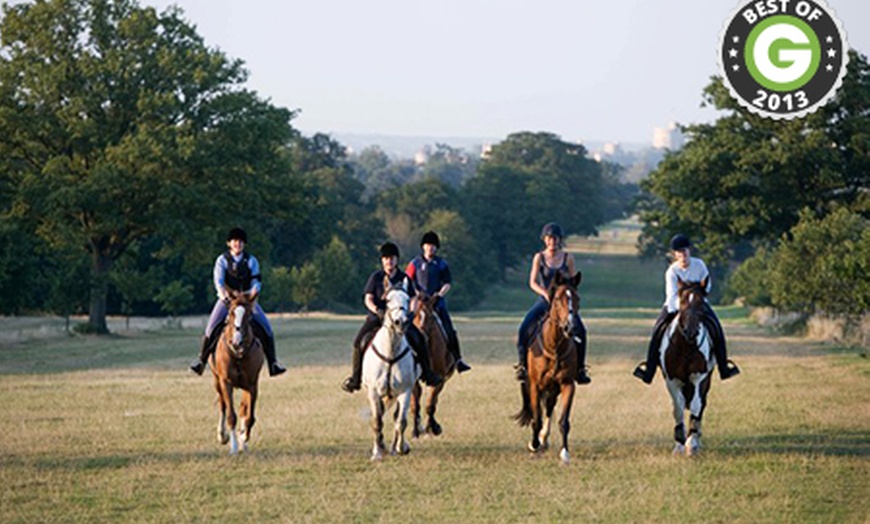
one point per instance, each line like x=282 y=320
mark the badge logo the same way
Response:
x=783 y=59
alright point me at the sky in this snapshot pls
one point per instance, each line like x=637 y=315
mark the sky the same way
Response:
x=586 y=70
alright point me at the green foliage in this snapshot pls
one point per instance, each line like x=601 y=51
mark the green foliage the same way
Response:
x=743 y=180
x=824 y=266
x=751 y=280
x=337 y=275
x=117 y=123
x=306 y=284
x=278 y=290
x=175 y=297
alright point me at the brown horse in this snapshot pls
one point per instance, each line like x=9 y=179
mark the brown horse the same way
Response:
x=236 y=363
x=442 y=362
x=552 y=365
x=687 y=363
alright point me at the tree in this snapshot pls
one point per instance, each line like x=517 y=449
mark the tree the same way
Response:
x=117 y=122
x=174 y=298
x=742 y=181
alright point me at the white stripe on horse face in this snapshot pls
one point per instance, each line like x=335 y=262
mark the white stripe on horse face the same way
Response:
x=239 y=315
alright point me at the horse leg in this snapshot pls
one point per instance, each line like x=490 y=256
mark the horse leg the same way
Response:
x=696 y=409
x=432 y=425
x=535 y=405
x=549 y=402
x=679 y=406
x=567 y=395
x=222 y=435
x=417 y=430
x=377 y=407
x=232 y=421
x=249 y=401
x=400 y=445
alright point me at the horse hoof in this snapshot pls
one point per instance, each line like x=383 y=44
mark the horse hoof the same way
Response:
x=532 y=448
x=434 y=429
x=679 y=449
x=223 y=438
x=565 y=457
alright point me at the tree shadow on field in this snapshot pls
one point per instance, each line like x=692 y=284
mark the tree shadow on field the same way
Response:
x=839 y=444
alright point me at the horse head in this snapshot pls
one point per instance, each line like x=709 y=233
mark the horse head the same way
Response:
x=692 y=296
x=239 y=317
x=398 y=301
x=564 y=301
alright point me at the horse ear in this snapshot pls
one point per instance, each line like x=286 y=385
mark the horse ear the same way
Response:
x=577 y=278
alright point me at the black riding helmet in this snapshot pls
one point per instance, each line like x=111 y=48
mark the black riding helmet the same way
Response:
x=552 y=229
x=388 y=249
x=680 y=241
x=237 y=233
x=431 y=237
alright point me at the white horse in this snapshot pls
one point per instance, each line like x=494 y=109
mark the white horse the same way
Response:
x=687 y=364
x=389 y=372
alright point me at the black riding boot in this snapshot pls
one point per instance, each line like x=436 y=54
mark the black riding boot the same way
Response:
x=453 y=346
x=521 y=372
x=415 y=339
x=646 y=371
x=352 y=383
x=206 y=348
x=727 y=368
x=275 y=367
x=580 y=339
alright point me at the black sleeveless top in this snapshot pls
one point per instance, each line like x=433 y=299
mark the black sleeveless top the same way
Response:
x=549 y=273
x=238 y=276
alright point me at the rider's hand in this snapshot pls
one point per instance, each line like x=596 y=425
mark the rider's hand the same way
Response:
x=380 y=313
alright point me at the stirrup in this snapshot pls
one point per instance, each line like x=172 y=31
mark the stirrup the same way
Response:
x=729 y=370
x=350 y=385
x=276 y=369
x=522 y=375
x=197 y=366
x=643 y=373
x=462 y=367
x=582 y=378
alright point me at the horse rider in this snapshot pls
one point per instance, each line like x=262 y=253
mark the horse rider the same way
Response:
x=432 y=276
x=374 y=299
x=238 y=270
x=546 y=264
x=688 y=269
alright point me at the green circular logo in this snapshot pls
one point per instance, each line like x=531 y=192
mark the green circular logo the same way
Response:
x=782 y=53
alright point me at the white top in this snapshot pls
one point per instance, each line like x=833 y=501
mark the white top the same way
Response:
x=696 y=272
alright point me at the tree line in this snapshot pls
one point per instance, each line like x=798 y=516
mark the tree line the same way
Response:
x=128 y=148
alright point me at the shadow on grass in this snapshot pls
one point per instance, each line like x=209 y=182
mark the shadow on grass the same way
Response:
x=840 y=443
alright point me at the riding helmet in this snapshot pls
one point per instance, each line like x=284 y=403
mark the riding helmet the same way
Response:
x=431 y=237
x=237 y=233
x=552 y=229
x=679 y=242
x=388 y=249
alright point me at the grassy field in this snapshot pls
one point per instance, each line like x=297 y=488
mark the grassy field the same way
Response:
x=113 y=429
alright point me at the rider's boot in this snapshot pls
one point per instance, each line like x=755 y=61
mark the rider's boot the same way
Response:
x=580 y=342
x=453 y=345
x=206 y=348
x=520 y=370
x=275 y=367
x=352 y=383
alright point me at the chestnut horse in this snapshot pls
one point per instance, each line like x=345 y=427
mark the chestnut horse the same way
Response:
x=389 y=371
x=236 y=363
x=442 y=362
x=687 y=361
x=552 y=366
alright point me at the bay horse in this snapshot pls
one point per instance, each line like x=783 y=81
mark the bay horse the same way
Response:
x=442 y=362
x=552 y=366
x=236 y=364
x=390 y=372
x=688 y=361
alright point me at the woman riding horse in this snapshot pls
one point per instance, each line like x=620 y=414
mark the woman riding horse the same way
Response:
x=685 y=268
x=546 y=264
x=432 y=276
x=237 y=270
x=374 y=300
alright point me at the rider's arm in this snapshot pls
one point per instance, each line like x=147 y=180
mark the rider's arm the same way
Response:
x=672 y=300
x=446 y=278
x=256 y=282
x=219 y=276
x=369 y=301
x=533 y=277
x=569 y=262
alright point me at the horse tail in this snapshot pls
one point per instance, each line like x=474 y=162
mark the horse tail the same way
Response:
x=524 y=415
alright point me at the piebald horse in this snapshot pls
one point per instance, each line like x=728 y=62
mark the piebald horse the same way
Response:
x=688 y=361
x=442 y=362
x=389 y=371
x=236 y=363
x=552 y=366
